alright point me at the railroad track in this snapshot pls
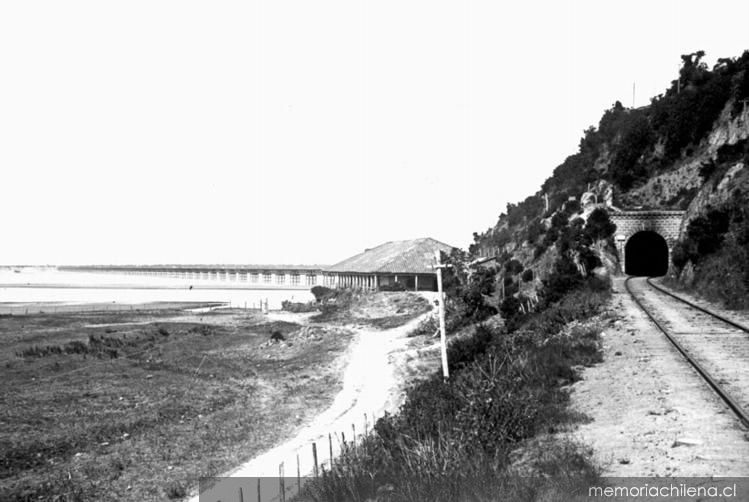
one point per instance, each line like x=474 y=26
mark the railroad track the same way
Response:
x=715 y=346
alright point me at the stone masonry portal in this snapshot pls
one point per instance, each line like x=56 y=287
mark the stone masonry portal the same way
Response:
x=628 y=223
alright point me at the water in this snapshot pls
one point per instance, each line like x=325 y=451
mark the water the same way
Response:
x=36 y=285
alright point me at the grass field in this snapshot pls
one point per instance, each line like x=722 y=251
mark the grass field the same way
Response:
x=138 y=406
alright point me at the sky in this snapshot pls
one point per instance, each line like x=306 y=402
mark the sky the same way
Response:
x=304 y=132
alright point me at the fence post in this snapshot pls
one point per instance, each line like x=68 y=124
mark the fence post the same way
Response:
x=330 y=446
x=241 y=495
x=441 y=298
x=258 y=490
x=298 y=475
x=281 y=483
x=314 y=457
x=353 y=438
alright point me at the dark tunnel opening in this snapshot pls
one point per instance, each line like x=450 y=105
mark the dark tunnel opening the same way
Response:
x=646 y=253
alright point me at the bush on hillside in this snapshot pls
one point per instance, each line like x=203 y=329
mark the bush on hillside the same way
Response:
x=514 y=267
x=707 y=169
x=717 y=244
x=564 y=277
x=535 y=230
x=704 y=236
x=572 y=207
x=559 y=220
x=599 y=225
x=637 y=138
x=509 y=308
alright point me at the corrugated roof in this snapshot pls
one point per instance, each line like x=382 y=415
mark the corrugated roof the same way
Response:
x=408 y=257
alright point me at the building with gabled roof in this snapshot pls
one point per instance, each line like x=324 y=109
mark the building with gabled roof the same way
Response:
x=407 y=263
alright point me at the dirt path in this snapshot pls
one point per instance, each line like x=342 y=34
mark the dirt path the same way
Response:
x=370 y=386
x=651 y=413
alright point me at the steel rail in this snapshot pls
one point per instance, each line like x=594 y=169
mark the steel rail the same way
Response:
x=692 y=304
x=740 y=413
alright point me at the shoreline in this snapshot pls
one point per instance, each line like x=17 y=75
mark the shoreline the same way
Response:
x=147 y=287
x=54 y=308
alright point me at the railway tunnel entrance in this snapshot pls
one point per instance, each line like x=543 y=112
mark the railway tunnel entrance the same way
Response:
x=646 y=253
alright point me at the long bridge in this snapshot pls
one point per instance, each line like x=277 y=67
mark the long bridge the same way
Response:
x=250 y=276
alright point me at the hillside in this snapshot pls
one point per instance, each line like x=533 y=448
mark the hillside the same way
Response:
x=529 y=308
x=688 y=149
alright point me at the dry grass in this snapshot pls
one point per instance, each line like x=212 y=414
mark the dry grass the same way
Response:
x=182 y=398
x=476 y=435
x=383 y=310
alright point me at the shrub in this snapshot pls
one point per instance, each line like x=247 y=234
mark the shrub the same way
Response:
x=509 y=308
x=707 y=169
x=636 y=138
x=322 y=293
x=535 y=230
x=599 y=225
x=704 y=236
x=559 y=220
x=572 y=207
x=679 y=255
x=717 y=244
x=176 y=490
x=564 y=277
x=513 y=267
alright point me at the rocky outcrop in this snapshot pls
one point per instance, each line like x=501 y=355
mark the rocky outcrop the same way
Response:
x=729 y=131
x=601 y=192
x=718 y=190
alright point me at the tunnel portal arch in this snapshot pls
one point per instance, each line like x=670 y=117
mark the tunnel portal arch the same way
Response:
x=666 y=225
x=646 y=253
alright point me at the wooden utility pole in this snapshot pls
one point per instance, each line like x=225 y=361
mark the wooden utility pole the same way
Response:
x=633 y=95
x=441 y=301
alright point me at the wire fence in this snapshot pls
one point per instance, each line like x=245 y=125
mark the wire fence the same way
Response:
x=315 y=459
